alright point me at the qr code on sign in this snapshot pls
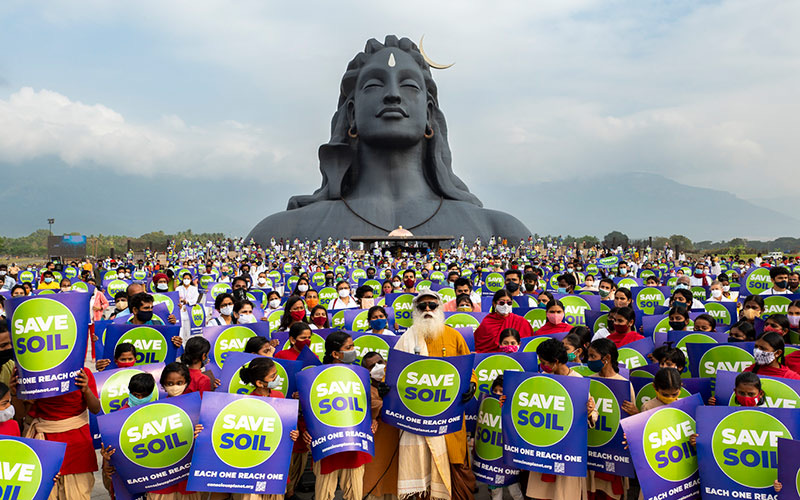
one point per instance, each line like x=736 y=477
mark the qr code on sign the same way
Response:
x=610 y=466
x=261 y=486
x=442 y=429
x=558 y=467
x=364 y=444
x=65 y=386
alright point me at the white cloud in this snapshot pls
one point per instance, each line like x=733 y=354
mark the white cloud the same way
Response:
x=36 y=124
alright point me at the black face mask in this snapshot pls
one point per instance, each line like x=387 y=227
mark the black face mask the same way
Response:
x=5 y=356
x=512 y=287
x=734 y=339
x=239 y=294
x=144 y=316
x=677 y=325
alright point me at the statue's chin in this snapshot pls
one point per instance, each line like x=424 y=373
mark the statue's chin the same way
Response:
x=391 y=141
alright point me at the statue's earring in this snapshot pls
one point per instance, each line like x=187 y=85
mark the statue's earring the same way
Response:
x=352 y=133
x=428 y=135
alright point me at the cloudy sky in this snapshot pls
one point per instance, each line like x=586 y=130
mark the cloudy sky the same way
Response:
x=207 y=114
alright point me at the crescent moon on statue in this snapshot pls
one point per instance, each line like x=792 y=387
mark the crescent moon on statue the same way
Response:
x=428 y=60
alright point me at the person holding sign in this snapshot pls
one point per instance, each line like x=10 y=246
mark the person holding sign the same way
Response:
x=554 y=312
x=380 y=475
x=439 y=465
x=65 y=419
x=378 y=321
x=195 y=357
x=553 y=360
x=8 y=426
x=500 y=318
x=624 y=332
x=769 y=361
x=223 y=303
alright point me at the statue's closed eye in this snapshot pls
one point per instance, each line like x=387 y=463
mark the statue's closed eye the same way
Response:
x=372 y=84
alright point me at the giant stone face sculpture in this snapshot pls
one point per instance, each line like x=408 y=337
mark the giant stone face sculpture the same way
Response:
x=388 y=162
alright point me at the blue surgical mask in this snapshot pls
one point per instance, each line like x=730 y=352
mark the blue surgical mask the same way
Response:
x=561 y=290
x=595 y=366
x=133 y=401
x=378 y=324
x=681 y=286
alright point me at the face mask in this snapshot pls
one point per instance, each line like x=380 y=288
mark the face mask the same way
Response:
x=144 y=316
x=530 y=287
x=311 y=303
x=273 y=384
x=121 y=306
x=555 y=318
x=623 y=328
x=319 y=321
x=133 y=401
x=302 y=288
x=396 y=284
x=749 y=314
x=246 y=318
x=571 y=356
x=262 y=281
x=2 y=273
x=781 y=284
x=666 y=400
x=623 y=272
x=546 y=368
x=297 y=315
x=378 y=372
x=561 y=289
x=716 y=293
x=681 y=286
x=509 y=348
x=48 y=280
x=747 y=400
x=699 y=274
x=300 y=344
x=344 y=292
x=348 y=356
x=512 y=287
x=595 y=365
x=677 y=325
x=794 y=321
x=162 y=287
x=503 y=309
x=275 y=303
x=7 y=414
x=773 y=329
x=226 y=310
x=378 y=324
x=175 y=390
x=763 y=357
x=187 y=282
x=603 y=293
x=726 y=288
x=464 y=309
x=125 y=364
x=239 y=294
x=409 y=282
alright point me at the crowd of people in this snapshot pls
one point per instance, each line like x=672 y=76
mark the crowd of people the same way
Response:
x=291 y=278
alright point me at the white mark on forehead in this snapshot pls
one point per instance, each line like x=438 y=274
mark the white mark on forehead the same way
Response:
x=391 y=62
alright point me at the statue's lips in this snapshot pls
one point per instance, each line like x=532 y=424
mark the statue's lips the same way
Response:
x=392 y=112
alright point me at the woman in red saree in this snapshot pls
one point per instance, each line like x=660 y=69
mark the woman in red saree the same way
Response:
x=487 y=334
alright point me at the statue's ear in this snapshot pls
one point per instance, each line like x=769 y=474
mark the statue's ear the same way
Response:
x=430 y=111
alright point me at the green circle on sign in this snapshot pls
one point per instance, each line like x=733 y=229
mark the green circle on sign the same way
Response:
x=609 y=414
x=402 y=307
x=631 y=357
x=488 y=430
x=574 y=309
x=492 y=366
x=724 y=357
x=758 y=281
x=116 y=286
x=156 y=435
x=246 y=433
x=536 y=317
x=338 y=397
x=462 y=320
x=218 y=289
x=366 y=343
x=543 y=426
x=534 y=342
x=149 y=343
x=627 y=283
x=495 y=281
x=669 y=457
x=79 y=286
x=115 y=390
x=337 y=321
x=44 y=333
x=317 y=344
x=160 y=298
x=719 y=312
x=776 y=304
x=231 y=339
x=198 y=315
x=648 y=298
x=434 y=385
x=735 y=435
x=326 y=295
x=27 y=466
x=360 y=322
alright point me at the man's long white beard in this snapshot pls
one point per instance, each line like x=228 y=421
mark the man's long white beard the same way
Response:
x=428 y=324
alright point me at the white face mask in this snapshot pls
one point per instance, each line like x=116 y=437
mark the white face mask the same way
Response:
x=7 y=414
x=226 y=310
x=763 y=357
x=716 y=293
x=726 y=288
x=275 y=303
x=396 y=284
x=247 y=318
x=262 y=281
x=794 y=321
x=175 y=390
x=344 y=292
x=302 y=288
x=378 y=371
x=187 y=281
x=503 y=309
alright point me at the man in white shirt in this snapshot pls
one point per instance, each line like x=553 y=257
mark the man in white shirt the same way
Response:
x=514 y=287
x=780 y=282
x=189 y=295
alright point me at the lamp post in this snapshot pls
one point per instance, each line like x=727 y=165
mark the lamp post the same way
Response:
x=50 y=223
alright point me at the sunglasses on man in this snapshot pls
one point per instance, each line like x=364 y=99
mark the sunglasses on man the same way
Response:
x=424 y=306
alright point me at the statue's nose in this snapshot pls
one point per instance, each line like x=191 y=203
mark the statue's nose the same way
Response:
x=392 y=95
